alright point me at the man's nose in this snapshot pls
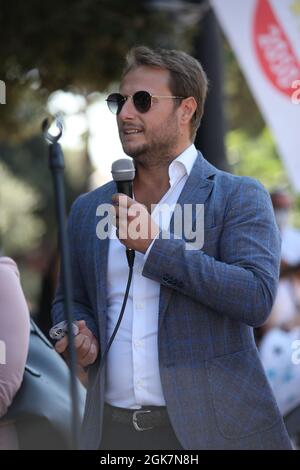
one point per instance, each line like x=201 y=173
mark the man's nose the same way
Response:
x=128 y=110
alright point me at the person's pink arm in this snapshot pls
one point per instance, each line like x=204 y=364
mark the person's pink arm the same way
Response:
x=14 y=332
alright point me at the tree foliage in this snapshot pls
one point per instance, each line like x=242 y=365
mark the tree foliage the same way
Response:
x=257 y=157
x=74 y=45
x=20 y=228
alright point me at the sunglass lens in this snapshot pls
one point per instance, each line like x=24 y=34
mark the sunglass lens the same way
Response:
x=115 y=102
x=142 y=101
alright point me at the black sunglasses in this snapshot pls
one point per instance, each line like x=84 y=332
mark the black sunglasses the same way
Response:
x=142 y=101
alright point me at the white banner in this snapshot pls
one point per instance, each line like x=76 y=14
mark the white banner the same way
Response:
x=265 y=36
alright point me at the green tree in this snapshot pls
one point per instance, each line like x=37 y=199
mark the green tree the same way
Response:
x=20 y=227
x=76 y=45
x=257 y=157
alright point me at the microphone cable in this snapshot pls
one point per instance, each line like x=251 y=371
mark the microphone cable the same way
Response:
x=130 y=264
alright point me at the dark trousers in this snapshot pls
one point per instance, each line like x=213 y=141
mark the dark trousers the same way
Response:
x=116 y=436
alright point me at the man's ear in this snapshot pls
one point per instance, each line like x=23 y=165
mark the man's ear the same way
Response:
x=188 y=107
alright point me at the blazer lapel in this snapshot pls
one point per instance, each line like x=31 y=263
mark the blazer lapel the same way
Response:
x=195 y=191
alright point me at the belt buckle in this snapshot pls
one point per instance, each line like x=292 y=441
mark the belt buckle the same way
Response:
x=135 y=422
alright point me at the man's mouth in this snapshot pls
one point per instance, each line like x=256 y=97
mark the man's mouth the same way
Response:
x=131 y=131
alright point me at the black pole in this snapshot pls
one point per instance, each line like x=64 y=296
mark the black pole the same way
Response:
x=56 y=165
x=208 y=50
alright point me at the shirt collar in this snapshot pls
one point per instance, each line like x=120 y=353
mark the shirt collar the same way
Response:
x=182 y=165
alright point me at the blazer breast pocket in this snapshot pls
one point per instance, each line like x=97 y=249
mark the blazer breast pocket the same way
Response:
x=242 y=399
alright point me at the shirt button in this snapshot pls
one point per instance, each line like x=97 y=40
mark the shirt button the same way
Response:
x=139 y=269
x=138 y=343
x=139 y=305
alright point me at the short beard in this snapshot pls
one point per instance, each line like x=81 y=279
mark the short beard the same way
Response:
x=157 y=153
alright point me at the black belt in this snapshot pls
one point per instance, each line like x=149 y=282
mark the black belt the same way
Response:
x=147 y=417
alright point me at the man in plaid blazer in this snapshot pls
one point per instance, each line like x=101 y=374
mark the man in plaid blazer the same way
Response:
x=204 y=386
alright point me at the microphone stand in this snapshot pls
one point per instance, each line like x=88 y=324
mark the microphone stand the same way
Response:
x=56 y=165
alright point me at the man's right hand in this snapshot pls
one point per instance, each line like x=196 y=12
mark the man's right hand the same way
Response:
x=86 y=345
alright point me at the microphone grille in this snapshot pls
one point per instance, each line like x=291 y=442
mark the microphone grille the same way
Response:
x=123 y=170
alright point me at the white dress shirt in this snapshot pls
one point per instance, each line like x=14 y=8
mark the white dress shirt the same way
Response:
x=132 y=378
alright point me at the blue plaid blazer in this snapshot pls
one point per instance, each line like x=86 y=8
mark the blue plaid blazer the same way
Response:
x=215 y=388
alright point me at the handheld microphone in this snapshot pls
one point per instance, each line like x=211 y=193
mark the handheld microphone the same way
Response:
x=123 y=172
